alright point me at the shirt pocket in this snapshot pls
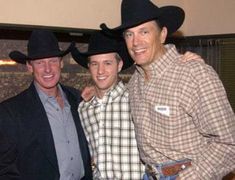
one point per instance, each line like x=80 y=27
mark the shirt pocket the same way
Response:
x=169 y=120
x=178 y=130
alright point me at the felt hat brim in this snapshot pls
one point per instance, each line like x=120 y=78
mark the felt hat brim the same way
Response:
x=21 y=58
x=136 y=12
x=82 y=58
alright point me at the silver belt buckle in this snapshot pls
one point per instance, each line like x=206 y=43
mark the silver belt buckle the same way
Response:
x=152 y=171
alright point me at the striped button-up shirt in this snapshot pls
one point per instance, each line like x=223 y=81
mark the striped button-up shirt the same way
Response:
x=110 y=131
x=183 y=112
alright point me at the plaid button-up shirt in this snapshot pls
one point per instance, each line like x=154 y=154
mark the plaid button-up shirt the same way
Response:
x=183 y=112
x=110 y=132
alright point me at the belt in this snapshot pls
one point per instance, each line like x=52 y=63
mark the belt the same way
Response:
x=169 y=169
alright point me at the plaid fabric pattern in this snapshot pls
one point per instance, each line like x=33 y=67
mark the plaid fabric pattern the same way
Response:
x=183 y=112
x=110 y=131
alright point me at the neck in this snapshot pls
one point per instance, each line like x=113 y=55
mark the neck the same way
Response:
x=146 y=67
x=48 y=91
x=55 y=92
x=52 y=92
x=59 y=99
x=57 y=95
x=101 y=92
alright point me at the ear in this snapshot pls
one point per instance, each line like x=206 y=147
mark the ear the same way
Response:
x=61 y=63
x=120 y=64
x=29 y=66
x=163 y=35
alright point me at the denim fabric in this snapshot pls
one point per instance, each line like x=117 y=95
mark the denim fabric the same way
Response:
x=161 y=176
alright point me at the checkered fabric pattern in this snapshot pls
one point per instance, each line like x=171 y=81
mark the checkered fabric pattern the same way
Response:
x=110 y=132
x=183 y=112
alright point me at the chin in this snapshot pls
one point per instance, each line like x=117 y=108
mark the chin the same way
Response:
x=50 y=85
x=102 y=87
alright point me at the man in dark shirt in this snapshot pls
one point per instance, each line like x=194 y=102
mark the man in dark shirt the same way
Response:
x=42 y=120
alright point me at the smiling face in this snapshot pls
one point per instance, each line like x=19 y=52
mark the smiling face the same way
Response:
x=104 y=70
x=46 y=73
x=145 y=42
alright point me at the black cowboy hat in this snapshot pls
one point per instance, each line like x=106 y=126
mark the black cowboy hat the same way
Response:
x=41 y=44
x=99 y=43
x=136 y=12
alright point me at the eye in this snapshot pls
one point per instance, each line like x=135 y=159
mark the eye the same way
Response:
x=54 y=60
x=127 y=34
x=144 y=32
x=92 y=64
x=108 y=62
x=38 y=62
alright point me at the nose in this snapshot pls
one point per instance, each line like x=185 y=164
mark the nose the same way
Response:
x=47 y=67
x=135 y=40
x=101 y=69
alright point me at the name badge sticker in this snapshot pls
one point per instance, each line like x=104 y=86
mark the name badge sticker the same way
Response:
x=164 y=110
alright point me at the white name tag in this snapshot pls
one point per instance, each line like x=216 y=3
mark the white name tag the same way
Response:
x=164 y=110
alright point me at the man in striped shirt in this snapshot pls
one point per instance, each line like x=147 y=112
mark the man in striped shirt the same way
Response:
x=106 y=118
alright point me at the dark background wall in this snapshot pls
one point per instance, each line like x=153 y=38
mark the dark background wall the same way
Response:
x=15 y=78
x=218 y=51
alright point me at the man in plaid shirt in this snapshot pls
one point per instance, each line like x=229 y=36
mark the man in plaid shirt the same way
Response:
x=106 y=118
x=185 y=126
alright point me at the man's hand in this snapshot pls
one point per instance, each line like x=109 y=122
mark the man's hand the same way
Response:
x=88 y=92
x=188 y=56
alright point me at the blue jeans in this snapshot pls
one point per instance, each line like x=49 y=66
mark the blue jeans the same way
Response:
x=160 y=174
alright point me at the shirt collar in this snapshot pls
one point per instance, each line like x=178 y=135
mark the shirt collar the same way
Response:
x=110 y=95
x=44 y=97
